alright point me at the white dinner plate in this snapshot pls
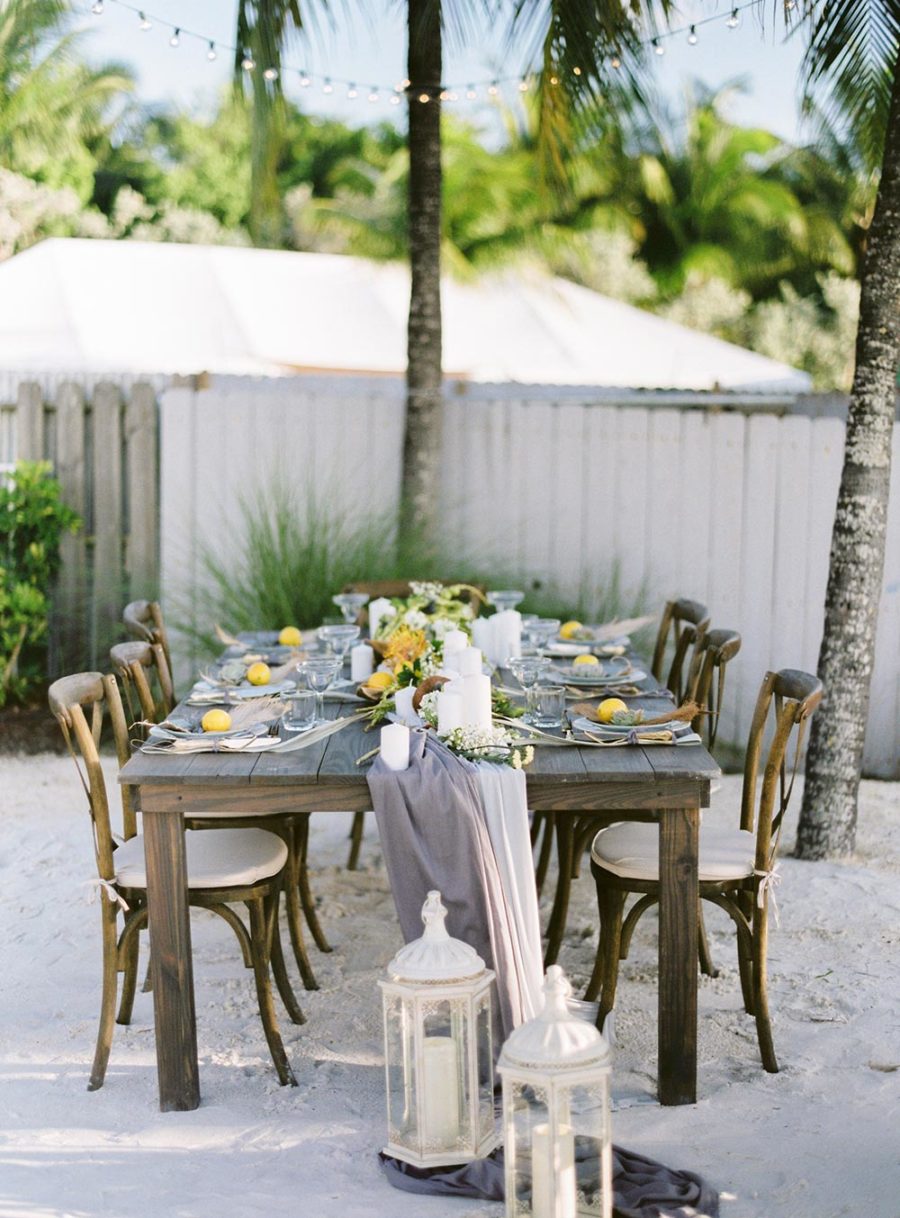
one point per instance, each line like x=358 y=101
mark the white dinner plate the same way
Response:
x=574 y=674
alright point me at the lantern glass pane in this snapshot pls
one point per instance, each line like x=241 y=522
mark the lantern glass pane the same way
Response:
x=589 y=1120
x=484 y=1049
x=444 y=1077
x=399 y=1021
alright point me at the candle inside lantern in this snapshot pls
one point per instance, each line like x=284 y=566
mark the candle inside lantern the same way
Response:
x=552 y=1173
x=468 y=661
x=440 y=1092
x=395 y=746
x=476 y=700
x=403 y=705
x=362 y=662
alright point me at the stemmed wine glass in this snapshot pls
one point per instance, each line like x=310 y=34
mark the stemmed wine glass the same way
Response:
x=338 y=638
x=319 y=672
x=505 y=598
x=540 y=631
x=350 y=604
x=528 y=670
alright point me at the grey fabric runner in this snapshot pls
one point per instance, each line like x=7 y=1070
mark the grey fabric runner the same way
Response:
x=642 y=1188
x=433 y=835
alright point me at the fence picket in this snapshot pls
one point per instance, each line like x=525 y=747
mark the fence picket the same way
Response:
x=71 y=650
x=30 y=422
x=142 y=492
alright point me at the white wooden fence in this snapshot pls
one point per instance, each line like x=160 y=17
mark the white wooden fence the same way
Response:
x=730 y=507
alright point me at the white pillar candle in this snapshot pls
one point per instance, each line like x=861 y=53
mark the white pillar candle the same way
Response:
x=454 y=642
x=449 y=710
x=403 y=705
x=395 y=746
x=506 y=636
x=481 y=633
x=468 y=661
x=440 y=1092
x=378 y=609
x=552 y=1173
x=362 y=662
x=476 y=700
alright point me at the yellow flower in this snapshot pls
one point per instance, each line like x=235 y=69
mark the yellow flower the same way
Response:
x=405 y=646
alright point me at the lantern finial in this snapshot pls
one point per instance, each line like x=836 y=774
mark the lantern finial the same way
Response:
x=437 y=956
x=557 y=1038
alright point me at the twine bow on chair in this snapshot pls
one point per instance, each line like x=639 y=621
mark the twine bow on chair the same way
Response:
x=109 y=892
x=767 y=882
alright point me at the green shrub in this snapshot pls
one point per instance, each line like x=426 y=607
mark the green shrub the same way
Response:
x=33 y=519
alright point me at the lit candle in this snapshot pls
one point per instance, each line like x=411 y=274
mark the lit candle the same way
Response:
x=449 y=710
x=440 y=1092
x=468 y=661
x=395 y=746
x=476 y=700
x=362 y=662
x=552 y=1173
x=403 y=705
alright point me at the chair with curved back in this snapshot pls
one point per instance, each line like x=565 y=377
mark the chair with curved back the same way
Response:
x=736 y=866
x=234 y=866
x=139 y=666
x=143 y=621
x=686 y=621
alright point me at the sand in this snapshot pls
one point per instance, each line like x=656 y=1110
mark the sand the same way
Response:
x=818 y=1140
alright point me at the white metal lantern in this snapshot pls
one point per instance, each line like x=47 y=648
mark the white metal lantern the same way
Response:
x=437 y=1048
x=556 y=1129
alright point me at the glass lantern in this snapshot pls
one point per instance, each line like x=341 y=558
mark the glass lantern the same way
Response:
x=556 y=1129
x=437 y=1048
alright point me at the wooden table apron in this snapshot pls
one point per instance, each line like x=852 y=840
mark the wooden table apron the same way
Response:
x=660 y=783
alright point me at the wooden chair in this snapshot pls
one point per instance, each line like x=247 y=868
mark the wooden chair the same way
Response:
x=139 y=667
x=233 y=866
x=687 y=621
x=143 y=621
x=736 y=865
x=714 y=651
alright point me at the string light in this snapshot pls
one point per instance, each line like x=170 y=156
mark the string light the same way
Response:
x=444 y=92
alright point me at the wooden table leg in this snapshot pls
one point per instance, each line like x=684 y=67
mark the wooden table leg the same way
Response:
x=678 y=914
x=556 y=928
x=171 y=962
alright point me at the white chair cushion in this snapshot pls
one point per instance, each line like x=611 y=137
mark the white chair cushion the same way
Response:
x=216 y=858
x=631 y=850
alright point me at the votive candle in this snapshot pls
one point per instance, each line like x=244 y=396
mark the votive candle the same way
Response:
x=395 y=746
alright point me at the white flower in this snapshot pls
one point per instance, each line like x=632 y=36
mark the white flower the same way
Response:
x=415 y=619
x=440 y=627
x=428 y=707
x=428 y=591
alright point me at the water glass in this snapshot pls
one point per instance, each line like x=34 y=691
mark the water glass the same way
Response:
x=528 y=669
x=299 y=710
x=351 y=604
x=540 y=632
x=549 y=705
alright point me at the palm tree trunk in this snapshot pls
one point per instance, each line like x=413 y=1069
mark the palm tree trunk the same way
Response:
x=834 y=762
x=422 y=436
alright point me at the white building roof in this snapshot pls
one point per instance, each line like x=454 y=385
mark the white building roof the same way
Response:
x=143 y=307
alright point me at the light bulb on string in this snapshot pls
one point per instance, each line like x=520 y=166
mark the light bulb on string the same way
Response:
x=444 y=94
x=327 y=87
x=97 y=8
x=692 y=37
x=471 y=92
x=576 y=71
x=615 y=62
x=248 y=63
x=270 y=74
x=789 y=6
x=352 y=93
x=395 y=99
x=554 y=80
x=175 y=40
x=523 y=86
x=144 y=23
x=493 y=89
x=423 y=98
x=373 y=94
x=734 y=20
x=211 y=53
x=305 y=81
x=658 y=47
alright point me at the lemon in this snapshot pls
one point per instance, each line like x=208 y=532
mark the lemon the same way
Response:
x=568 y=630
x=290 y=637
x=259 y=674
x=608 y=707
x=380 y=680
x=216 y=721
x=586 y=659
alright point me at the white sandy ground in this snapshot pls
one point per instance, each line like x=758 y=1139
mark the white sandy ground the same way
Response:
x=818 y=1140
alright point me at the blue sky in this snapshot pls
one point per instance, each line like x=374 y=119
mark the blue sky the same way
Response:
x=371 y=51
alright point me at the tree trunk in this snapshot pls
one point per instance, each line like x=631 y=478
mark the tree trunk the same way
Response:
x=422 y=436
x=834 y=762
x=267 y=138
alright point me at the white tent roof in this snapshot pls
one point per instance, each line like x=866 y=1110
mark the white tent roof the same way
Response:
x=143 y=307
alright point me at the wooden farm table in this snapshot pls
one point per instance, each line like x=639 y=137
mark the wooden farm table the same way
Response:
x=660 y=783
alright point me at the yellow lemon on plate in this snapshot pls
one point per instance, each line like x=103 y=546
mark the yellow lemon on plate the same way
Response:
x=216 y=721
x=380 y=680
x=586 y=659
x=609 y=707
x=568 y=630
x=259 y=674
x=290 y=637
